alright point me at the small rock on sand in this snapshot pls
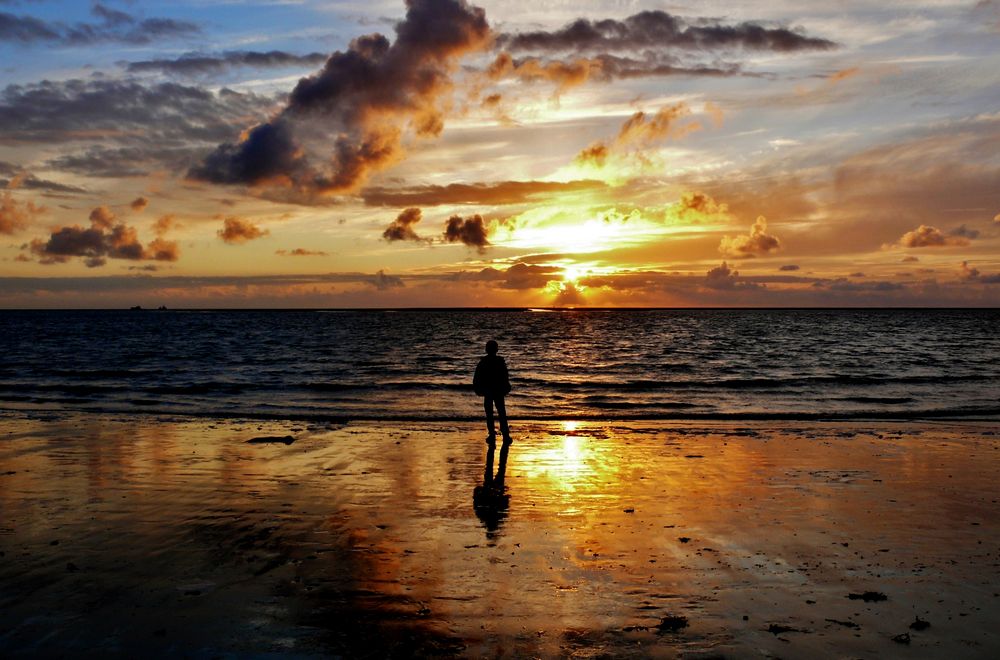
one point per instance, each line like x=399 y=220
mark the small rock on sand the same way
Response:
x=672 y=623
x=902 y=638
x=778 y=628
x=919 y=624
x=869 y=596
x=269 y=439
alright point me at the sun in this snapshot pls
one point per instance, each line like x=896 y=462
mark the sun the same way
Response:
x=571 y=274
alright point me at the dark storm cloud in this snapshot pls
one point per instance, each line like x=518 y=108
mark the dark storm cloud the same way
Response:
x=15 y=176
x=723 y=277
x=268 y=153
x=659 y=29
x=623 y=281
x=202 y=65
x=402 y=228
x=141 y=128
x=133 y=283
x=613 y=68
x=106 y=238
x=366 y=96
x=32 y=182
x=843 y=284
x=969 y=273
x=499 y=193
x=576 y=70
x=164 y=115
x=383 y=281
x=122 y=162
x=25 y=29
x=112 y=26
x=527 y=276
x=964 y=232
x=518 y=276
x=471 y=231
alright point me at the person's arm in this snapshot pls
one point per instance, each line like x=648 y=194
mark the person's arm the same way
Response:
x=506 y=376
x=477 y=379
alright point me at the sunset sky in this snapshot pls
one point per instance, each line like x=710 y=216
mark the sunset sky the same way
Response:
x=212 y=153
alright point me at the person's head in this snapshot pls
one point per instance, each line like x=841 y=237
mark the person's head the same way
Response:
x=491 y=347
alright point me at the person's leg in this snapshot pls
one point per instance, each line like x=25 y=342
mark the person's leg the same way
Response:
x=488 y=405
x=502 y=413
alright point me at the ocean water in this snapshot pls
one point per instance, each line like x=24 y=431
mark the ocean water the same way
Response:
x=405 y=365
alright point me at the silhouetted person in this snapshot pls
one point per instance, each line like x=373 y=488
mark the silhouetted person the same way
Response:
x=493 y=383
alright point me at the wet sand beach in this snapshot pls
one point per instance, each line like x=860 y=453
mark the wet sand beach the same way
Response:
x=147 y=536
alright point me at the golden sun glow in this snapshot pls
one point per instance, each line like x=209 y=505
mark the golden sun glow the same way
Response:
x=590 y=236
x=571 y=274
x=579 y=229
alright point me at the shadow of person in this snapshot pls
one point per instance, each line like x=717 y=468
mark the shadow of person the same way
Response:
x=490 y=500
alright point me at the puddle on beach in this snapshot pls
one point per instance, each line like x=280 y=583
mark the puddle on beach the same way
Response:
x=137 y=535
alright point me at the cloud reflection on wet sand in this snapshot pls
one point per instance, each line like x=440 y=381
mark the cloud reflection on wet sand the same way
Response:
x=122 y=535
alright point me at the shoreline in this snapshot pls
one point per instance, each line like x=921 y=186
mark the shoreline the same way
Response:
x=888 y=416
x=134 y=534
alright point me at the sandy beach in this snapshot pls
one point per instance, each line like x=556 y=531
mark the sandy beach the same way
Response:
x=148 y=536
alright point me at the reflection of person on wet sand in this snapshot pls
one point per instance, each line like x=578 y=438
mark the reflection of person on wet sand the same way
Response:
x=492 y=382
x=489 y=500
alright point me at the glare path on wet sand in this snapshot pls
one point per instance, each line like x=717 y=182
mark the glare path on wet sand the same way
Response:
x=141 y=534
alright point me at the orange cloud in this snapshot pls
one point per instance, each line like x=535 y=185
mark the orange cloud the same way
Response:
x=716 y=113
x=236 y=231
x=843 y=74
x=102 y=217
x=14 y=215
x=758 y=242
x=696 y=206
x=160 y=249
x=301 y=252
x=164 y=224
x=498 y=193
x=641 y=131
x=139 y=204
x=401 y=229
x=105 y=238
x=928 y=236
x=565 y=75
